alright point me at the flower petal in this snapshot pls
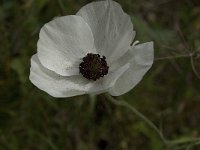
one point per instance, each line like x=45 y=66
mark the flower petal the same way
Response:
x=108 y=81
x=63 y=42
x=54 y=84
x=111 y=27
x=60 y=86
x=143 y=56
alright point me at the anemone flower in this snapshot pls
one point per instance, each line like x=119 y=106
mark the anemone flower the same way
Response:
x=90 y=53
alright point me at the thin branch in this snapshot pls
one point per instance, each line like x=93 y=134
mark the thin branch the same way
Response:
x=193 y=144
x=183 y=39
x=173 y=57
x=61 y=6
x=183 y=56
x=194 y=68
x=140 y=115
x=167 y=143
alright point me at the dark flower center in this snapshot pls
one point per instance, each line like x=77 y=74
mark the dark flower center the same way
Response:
x=93 y=66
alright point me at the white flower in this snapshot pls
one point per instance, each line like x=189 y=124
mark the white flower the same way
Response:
x=98 y=28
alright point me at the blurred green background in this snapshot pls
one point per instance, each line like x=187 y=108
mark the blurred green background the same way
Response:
x=169 y=94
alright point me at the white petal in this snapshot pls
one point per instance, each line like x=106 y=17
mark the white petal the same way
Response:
x=111 y=27
x=143 y=56
x=126 y=58
x=108 y=81
x=60 y=86
x=54 y=84
x=63 y=42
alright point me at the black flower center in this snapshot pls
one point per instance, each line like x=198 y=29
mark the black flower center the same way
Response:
x=93 y=66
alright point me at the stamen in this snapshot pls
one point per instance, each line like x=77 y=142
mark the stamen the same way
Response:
x=93 y=66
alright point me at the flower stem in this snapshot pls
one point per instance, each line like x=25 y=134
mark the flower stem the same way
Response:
x=173 y=57
x=167 y=143
x=61 y=6
x=140 y=115
x=93 y=99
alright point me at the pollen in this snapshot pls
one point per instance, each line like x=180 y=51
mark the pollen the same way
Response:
x=93 y=66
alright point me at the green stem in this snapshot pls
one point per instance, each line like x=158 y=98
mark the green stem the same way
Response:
x=167 y=143
x=61 y=6
x=173 y=57
x=140 y=115
x=184 y=141
x=93 y=99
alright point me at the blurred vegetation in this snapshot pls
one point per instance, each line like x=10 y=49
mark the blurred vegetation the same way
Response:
x=169 y=94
